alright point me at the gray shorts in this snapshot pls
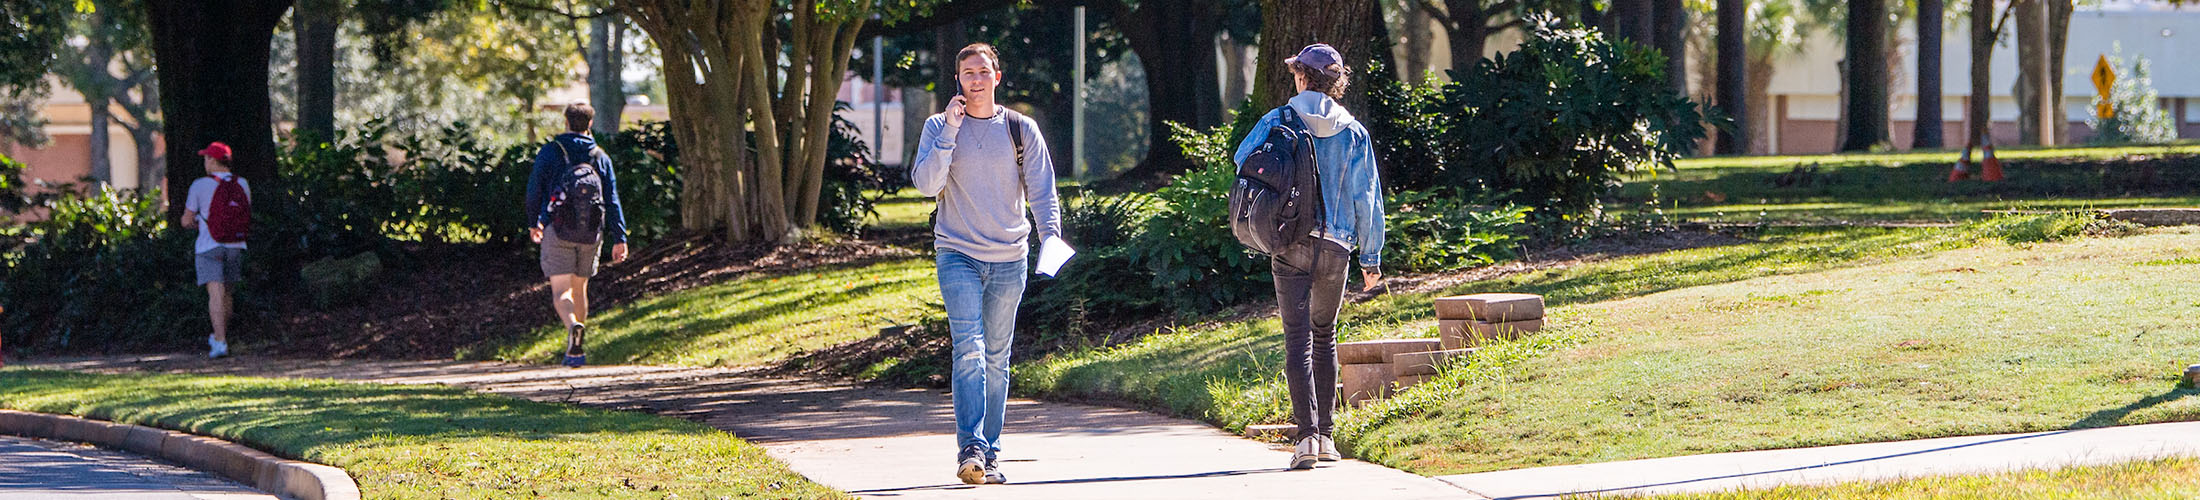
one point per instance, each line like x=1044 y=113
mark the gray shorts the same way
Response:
x=565 y=257
x=223 y=264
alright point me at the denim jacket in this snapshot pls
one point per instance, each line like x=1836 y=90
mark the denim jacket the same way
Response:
x=1352 y=195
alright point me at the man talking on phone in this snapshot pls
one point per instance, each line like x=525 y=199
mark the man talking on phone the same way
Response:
x=987 y=165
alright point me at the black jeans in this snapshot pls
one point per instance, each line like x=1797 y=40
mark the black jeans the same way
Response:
x=1309 y=287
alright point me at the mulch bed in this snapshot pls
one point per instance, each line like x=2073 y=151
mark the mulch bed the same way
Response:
x=466 y=297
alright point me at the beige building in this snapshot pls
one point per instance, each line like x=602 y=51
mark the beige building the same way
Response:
x=69 y=156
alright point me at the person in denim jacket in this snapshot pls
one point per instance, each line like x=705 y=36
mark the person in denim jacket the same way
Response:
x=1310 y=274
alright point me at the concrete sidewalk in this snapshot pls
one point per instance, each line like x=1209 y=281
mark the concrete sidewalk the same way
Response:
x=886 y=443
x=40 y=469
x=1846 y=463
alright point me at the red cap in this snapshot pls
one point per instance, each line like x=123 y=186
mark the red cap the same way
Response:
x=217 y=151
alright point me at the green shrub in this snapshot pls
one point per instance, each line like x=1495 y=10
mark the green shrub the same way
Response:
x=1102 y=287
x=1433 y=231
x=1197 y=265
x=101 y=272
x=2139 y=117
x=1566 y=116
x=851 y=171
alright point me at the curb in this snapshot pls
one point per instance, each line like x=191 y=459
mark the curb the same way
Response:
x=269 y=473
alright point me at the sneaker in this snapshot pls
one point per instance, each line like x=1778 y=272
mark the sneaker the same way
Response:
x=993 y=471
x=1303 y=457
x=1326 y=449
x=575 y=355
x=215 y=348
x=971 y=469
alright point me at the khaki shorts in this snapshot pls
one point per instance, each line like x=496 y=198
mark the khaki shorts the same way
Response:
x=223 y=264
x=565 y=257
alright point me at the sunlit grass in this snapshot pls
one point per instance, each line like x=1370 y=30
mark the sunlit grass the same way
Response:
x=2165 y=479
x=430 y=441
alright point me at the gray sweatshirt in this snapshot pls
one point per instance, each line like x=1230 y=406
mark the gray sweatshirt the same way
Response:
x=972 y=170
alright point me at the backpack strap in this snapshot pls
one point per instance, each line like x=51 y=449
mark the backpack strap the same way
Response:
x=1016 y=137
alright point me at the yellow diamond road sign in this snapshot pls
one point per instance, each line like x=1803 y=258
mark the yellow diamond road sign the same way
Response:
x=2104 y=78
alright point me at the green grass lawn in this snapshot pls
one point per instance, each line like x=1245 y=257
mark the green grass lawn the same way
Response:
x=2164 y=479
x=1810 y=337
x=754 y=320
x=1908 y=186
x=904 y=209
x=430 y=441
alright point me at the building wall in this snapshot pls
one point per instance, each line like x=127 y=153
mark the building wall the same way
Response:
x=1806 y=87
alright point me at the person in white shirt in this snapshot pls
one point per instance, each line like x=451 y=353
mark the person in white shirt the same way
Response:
x=219 y=263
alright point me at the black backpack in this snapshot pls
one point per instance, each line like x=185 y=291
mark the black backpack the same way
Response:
x=1277 y=199
x=576 y=206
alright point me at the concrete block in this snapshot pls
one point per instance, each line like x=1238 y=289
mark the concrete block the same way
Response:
x=1423 y=363
x=27 y=424
x=145 y=440
x=72 y=429
x=1363 y=382
x=2156 y=216
x=238 y=462
x=1460 y=334
x=1379 y=351
x=2192 y=376
x=1271 y=432
x=1405 y=381
x=1491 y=307
x=310 y=481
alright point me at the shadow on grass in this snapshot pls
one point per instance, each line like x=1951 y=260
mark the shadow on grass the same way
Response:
x=2115 y=416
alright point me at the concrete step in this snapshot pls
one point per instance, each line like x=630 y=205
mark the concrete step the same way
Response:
x=1379 y=351
x=1460 y=334
x=1364 y=381
x=1491 y=307
x=1423 y=363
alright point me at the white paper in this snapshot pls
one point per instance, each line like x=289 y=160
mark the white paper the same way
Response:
x=1052 y=253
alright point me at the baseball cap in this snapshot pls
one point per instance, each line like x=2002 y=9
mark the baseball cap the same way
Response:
x=217 y=151
x=1318 y=56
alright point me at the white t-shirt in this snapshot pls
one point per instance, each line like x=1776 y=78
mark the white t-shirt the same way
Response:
x=202 y=194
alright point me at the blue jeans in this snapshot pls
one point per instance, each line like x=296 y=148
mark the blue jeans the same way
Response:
x=981 y=302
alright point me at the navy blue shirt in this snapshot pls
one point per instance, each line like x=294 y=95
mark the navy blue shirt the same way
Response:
x=550 y=164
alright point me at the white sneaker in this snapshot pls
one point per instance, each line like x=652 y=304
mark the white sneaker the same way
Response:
x=1303 y=457
x=1326 y=450
x=216 y=348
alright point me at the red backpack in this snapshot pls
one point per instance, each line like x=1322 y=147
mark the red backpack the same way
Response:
x=229 y=214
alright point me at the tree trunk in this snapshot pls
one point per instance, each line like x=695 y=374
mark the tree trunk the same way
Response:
x=1416 y=32
x=606 y=60
x=1672 y=40
x=703 y=43
x=1979 y=114
x=1468 y=27
x=99 y=87
x=2058 y=39
x=1733 y=49
x=1347 y=27
x=101 y=142
x=1866 y=106
x=2032 y=68
x=213 y=56
x=1176 y=41
x=144 y=130
x=315 y=23
x=1235 y=55
x=1759 y=99
x=1927 y=132
x=1636 y=21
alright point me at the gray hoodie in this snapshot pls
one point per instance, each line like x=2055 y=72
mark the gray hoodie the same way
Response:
x=972 y=170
